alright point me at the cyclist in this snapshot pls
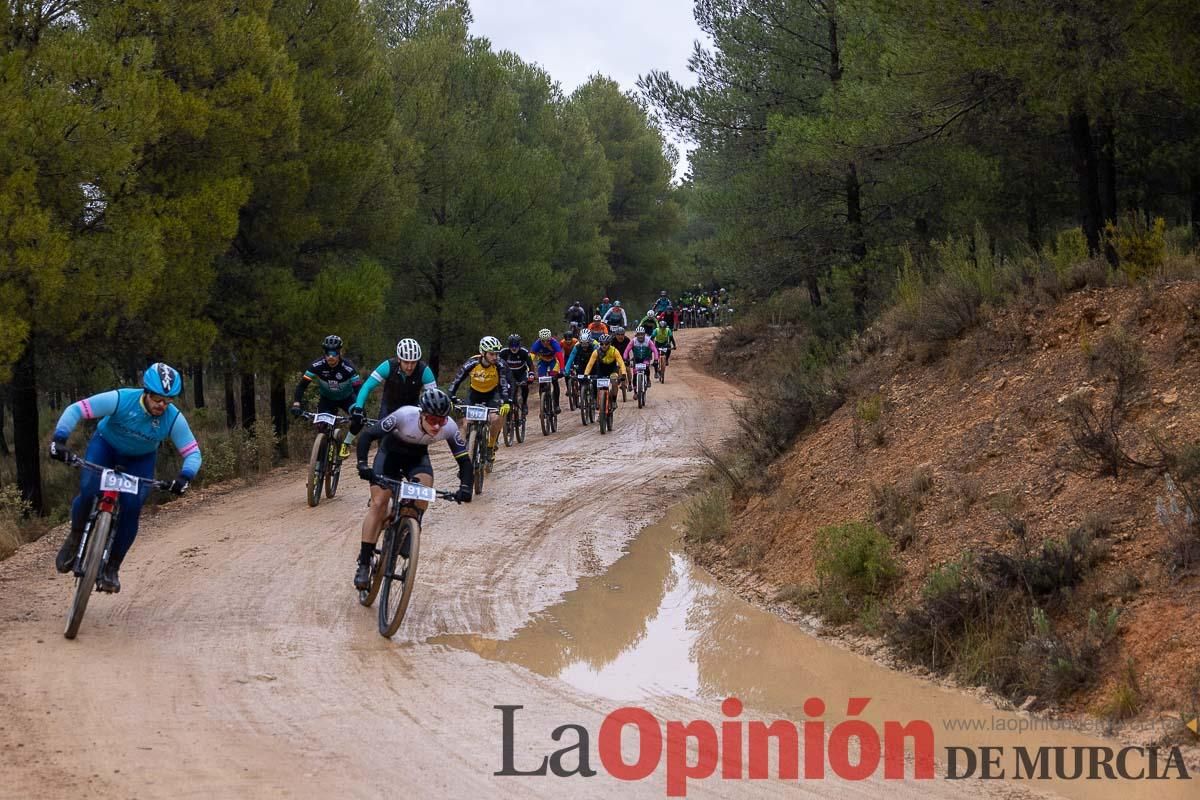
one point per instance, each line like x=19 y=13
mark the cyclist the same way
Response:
x=404 y=437
x=615 y=315
x=641 y=350
x=579 y=356
x=606 y=360
x=649 y=322
x=489 y=387
x=576 y=315
x=519 y=364
x=403 y=379
x=664 y=338
x=603 y=308
x=663 y=304
x=549 y=360
x=568 y=340
x=597 y=326
x=620 y=339
x=337 y=381
x=133 y=422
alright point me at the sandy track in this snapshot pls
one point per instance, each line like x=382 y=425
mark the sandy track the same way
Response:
x=237 y=661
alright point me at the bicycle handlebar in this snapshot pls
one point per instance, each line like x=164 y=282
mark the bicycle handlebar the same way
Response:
x=396 y=485
x=79 y=462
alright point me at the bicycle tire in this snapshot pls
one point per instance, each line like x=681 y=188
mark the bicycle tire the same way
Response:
x=554 y=423
x=367 y=596
x=93 y=557
x=521 y=428
x=478 y=454
x=316 y=470
x=604 y=413
x=509 y=425
x=545 y=415
x=333 y=465
x=391 y=616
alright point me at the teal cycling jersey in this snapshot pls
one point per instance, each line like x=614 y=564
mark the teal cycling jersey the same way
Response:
x=130 y=428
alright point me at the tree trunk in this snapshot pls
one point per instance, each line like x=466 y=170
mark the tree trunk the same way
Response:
x=1106 y=153
x=1033 y=222
x=279 y=413
x=1088 y=171
x=230 y=401
x=25 y=428
x=435 y=345
x=814 y=290
x=4 y=451
x=1196 y=207
x=198 y=385
x=249 y=409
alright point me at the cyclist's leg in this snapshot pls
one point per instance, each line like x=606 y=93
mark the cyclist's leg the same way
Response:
x=387 y=463
x=127 y=522
x=98 y=452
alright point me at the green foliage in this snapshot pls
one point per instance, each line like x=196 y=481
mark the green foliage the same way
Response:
x=1140 y=245
x=708 y=516
x=853 y=563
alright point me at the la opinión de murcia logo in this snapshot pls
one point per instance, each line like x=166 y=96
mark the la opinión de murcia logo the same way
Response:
x=736 y=749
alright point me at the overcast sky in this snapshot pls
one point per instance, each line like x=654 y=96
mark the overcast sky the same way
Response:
x=574 y=39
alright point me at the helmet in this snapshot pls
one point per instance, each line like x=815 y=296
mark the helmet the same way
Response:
x=605 y=340
x=162 y=379
x=663 y=293
x=618 y=330
x=545 y=335
x=605 y=300
x=641 y=333
x=616 y=302
x=408 y=350
x=662 y=323
x=489 y=344
x=585 y=337
x=569 y=334
x=435 y=402
x=578 y=302
x=332 y=342
x=514 y=340
x=596 y=318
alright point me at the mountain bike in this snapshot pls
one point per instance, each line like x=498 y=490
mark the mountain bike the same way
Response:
x=641 y=382
x=664 y=358
x=549 y=419
x=393 y=573
x=587 y=400
x=514 y=424
x=606 y=403
x=572 y=392
x=325 y=460
x=476 y=433
x=95 y=544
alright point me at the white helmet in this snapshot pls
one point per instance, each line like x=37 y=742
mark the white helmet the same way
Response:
x=545 y=334
x=408 y=350
x=489 y=344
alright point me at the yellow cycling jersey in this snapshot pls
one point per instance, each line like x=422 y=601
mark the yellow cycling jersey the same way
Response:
x=610 y=357
x=484 y=378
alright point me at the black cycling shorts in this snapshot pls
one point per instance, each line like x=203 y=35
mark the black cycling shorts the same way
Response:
x=491 y=398
x=402 y=462
x=328 y=405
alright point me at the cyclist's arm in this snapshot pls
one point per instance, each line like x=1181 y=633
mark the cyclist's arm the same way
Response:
x=672 y=338
x=571 y=359
x=505 y=388
x=558 y=354
x=94 y=407
x=370 y=435
x=621 y=365
x=377 y=377
x=189 y=448
x=458 y=449
x=629 y=348
x=654 y=349
x=461 y=376
x=305 y=381
x=428 y=381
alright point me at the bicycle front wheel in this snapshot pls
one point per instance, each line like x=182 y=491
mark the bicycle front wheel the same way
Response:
x=85 y=583
x=333 y=464
x=478 y=456
x=399 y=575
x=316 y=469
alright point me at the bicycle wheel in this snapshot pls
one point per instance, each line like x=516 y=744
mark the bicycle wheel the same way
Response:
x=333 y=464
x=545 y=415
x=399 y=575
x=367 y=596
x=604 y=401
x=478 y=455
x=641 y=390
x=85 y=583
x=554 y=423
x=508 y=427
x=316 y=469
x=583 y=402
x=521 y=428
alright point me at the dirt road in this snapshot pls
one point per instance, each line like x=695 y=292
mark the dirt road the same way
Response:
x=237 y=662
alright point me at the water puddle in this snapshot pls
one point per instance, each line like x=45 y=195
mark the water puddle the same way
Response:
x=654 y=625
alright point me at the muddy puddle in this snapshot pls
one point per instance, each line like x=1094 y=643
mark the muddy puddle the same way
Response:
x=654 y=625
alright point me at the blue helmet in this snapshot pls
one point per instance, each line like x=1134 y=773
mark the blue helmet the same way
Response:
x=162 y=379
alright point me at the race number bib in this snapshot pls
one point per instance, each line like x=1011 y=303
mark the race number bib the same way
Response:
x=477 y=413
x=328 y=419
x=641 y=367
x=111 y=481
x=603 y=383
x=545 y=379
x=415 y=491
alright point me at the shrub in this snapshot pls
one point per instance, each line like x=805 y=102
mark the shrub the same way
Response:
x=853 y=562
x=14 y=509
x=1070 y=248
x=708 y=517
x=1140 y=244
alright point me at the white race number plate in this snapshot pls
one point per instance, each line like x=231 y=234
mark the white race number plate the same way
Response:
x=641 y=367
x=477 y=413
x=545 y=379
x=328 y=419
x=603 y=383
x=111 y=481
x=415 y=491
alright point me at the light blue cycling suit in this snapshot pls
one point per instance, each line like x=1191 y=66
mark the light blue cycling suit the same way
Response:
x=128 y=436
